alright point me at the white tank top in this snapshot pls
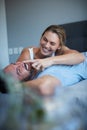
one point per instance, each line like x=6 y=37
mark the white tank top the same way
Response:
x=32 y=57
x=32 y=54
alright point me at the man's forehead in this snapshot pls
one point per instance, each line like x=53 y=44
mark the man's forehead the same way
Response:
x=10 y=68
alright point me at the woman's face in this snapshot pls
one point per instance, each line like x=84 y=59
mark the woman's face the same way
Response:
x=19 y=70
x=49 y=43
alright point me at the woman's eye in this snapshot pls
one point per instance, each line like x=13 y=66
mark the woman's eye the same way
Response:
x=52 y=43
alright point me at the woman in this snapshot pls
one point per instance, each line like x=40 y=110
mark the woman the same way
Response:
x=52 y=51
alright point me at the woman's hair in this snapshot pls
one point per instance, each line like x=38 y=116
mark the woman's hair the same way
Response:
x=59 y=30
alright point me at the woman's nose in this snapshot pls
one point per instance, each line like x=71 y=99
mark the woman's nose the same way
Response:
x=47 y=44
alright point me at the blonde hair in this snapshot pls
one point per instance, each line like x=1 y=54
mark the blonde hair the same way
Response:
x=59 y=30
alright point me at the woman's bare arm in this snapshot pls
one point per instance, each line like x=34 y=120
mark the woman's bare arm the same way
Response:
x=69 y=57
x=25 y=55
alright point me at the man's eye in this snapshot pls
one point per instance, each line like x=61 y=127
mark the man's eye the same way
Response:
x=45 y=39
x=26 y=66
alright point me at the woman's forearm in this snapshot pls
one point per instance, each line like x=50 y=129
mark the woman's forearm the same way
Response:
x=68 y=59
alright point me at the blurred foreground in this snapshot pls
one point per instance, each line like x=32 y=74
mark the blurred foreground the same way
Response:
x=22 y=108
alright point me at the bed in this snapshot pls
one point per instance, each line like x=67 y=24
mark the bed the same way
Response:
x=76 y=35
x=68 y=106
x=66 y=109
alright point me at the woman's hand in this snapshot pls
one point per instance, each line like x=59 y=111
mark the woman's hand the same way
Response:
x=40 y=64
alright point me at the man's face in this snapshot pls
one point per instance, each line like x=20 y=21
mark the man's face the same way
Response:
x=19 y=70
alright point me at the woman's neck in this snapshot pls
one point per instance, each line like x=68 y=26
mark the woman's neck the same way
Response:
x=38 y=55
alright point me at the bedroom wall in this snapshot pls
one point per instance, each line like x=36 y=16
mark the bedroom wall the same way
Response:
x=26 y=19
x=4 y=57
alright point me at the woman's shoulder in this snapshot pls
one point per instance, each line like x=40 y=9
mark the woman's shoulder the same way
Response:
x=26 y=49
x=67 y=50
x=25 y=54
x=62 y=50
x=30 y=47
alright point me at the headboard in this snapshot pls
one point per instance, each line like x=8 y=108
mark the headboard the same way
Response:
x=76 y=35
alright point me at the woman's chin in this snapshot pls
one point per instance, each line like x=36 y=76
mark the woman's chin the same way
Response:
x=45 y=54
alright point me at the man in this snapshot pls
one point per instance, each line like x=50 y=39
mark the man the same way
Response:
x=60 y=75
x=20 y=70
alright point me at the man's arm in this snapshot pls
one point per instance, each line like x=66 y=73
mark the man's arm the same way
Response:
x=45 y=85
